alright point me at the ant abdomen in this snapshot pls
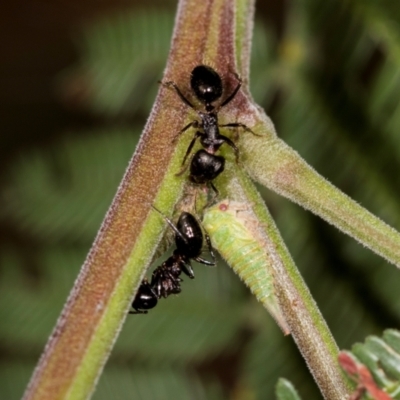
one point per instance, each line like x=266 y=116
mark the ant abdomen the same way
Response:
x=205 y=167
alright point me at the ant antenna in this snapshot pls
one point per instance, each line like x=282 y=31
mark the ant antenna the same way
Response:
x=169 y=222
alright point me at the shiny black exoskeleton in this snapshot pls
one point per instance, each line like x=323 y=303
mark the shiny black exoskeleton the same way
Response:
x=166 y=279
x=207 y=86
x=145 y=298
x=205 y=167
x=203 y=170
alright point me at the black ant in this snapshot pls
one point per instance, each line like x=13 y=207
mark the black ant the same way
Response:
x=165 y=279
x=206 y=84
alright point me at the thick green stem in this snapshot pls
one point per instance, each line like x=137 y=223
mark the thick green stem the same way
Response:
x=302 y=316
x=98 y=303
x=95 y=311
x=274 y=164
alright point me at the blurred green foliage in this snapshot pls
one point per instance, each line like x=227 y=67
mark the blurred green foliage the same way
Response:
x=330 y=80
x=381 y=356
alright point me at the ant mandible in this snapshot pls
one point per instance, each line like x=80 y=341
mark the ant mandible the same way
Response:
x=166 y=279
x=206 y=84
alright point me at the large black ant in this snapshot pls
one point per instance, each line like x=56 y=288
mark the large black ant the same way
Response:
x=165 y=279
x=206 y=84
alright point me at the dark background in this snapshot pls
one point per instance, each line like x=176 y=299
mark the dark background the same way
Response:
x=77 y=80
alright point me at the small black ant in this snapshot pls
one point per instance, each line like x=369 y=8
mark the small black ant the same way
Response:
x=206 y=84
x=166 y=279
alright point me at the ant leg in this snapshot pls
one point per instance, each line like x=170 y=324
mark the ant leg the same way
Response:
x=209 y=246
x=199 y=212
x=187 y=269
x=233 y=94
x=194 y=124
x=169 y=222
x=184 y=168
x=176 y=287
x=174 y=279
x=189 y=149
x=205 y=262
x=216 y=192
x=178 y=91
x=239 y=125
x=164 y=283
x=215 y=195
x=211 y=251
x=173 y=227
x=233 y=146
x=195 y=202
x=137 y=312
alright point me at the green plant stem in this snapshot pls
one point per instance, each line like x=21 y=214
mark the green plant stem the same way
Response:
x=128 y=238
x=97 y=306
x=274 y=164
x=305 y=321
x=299 y=310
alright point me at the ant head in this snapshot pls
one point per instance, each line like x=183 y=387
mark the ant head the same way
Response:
x=206 y=84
